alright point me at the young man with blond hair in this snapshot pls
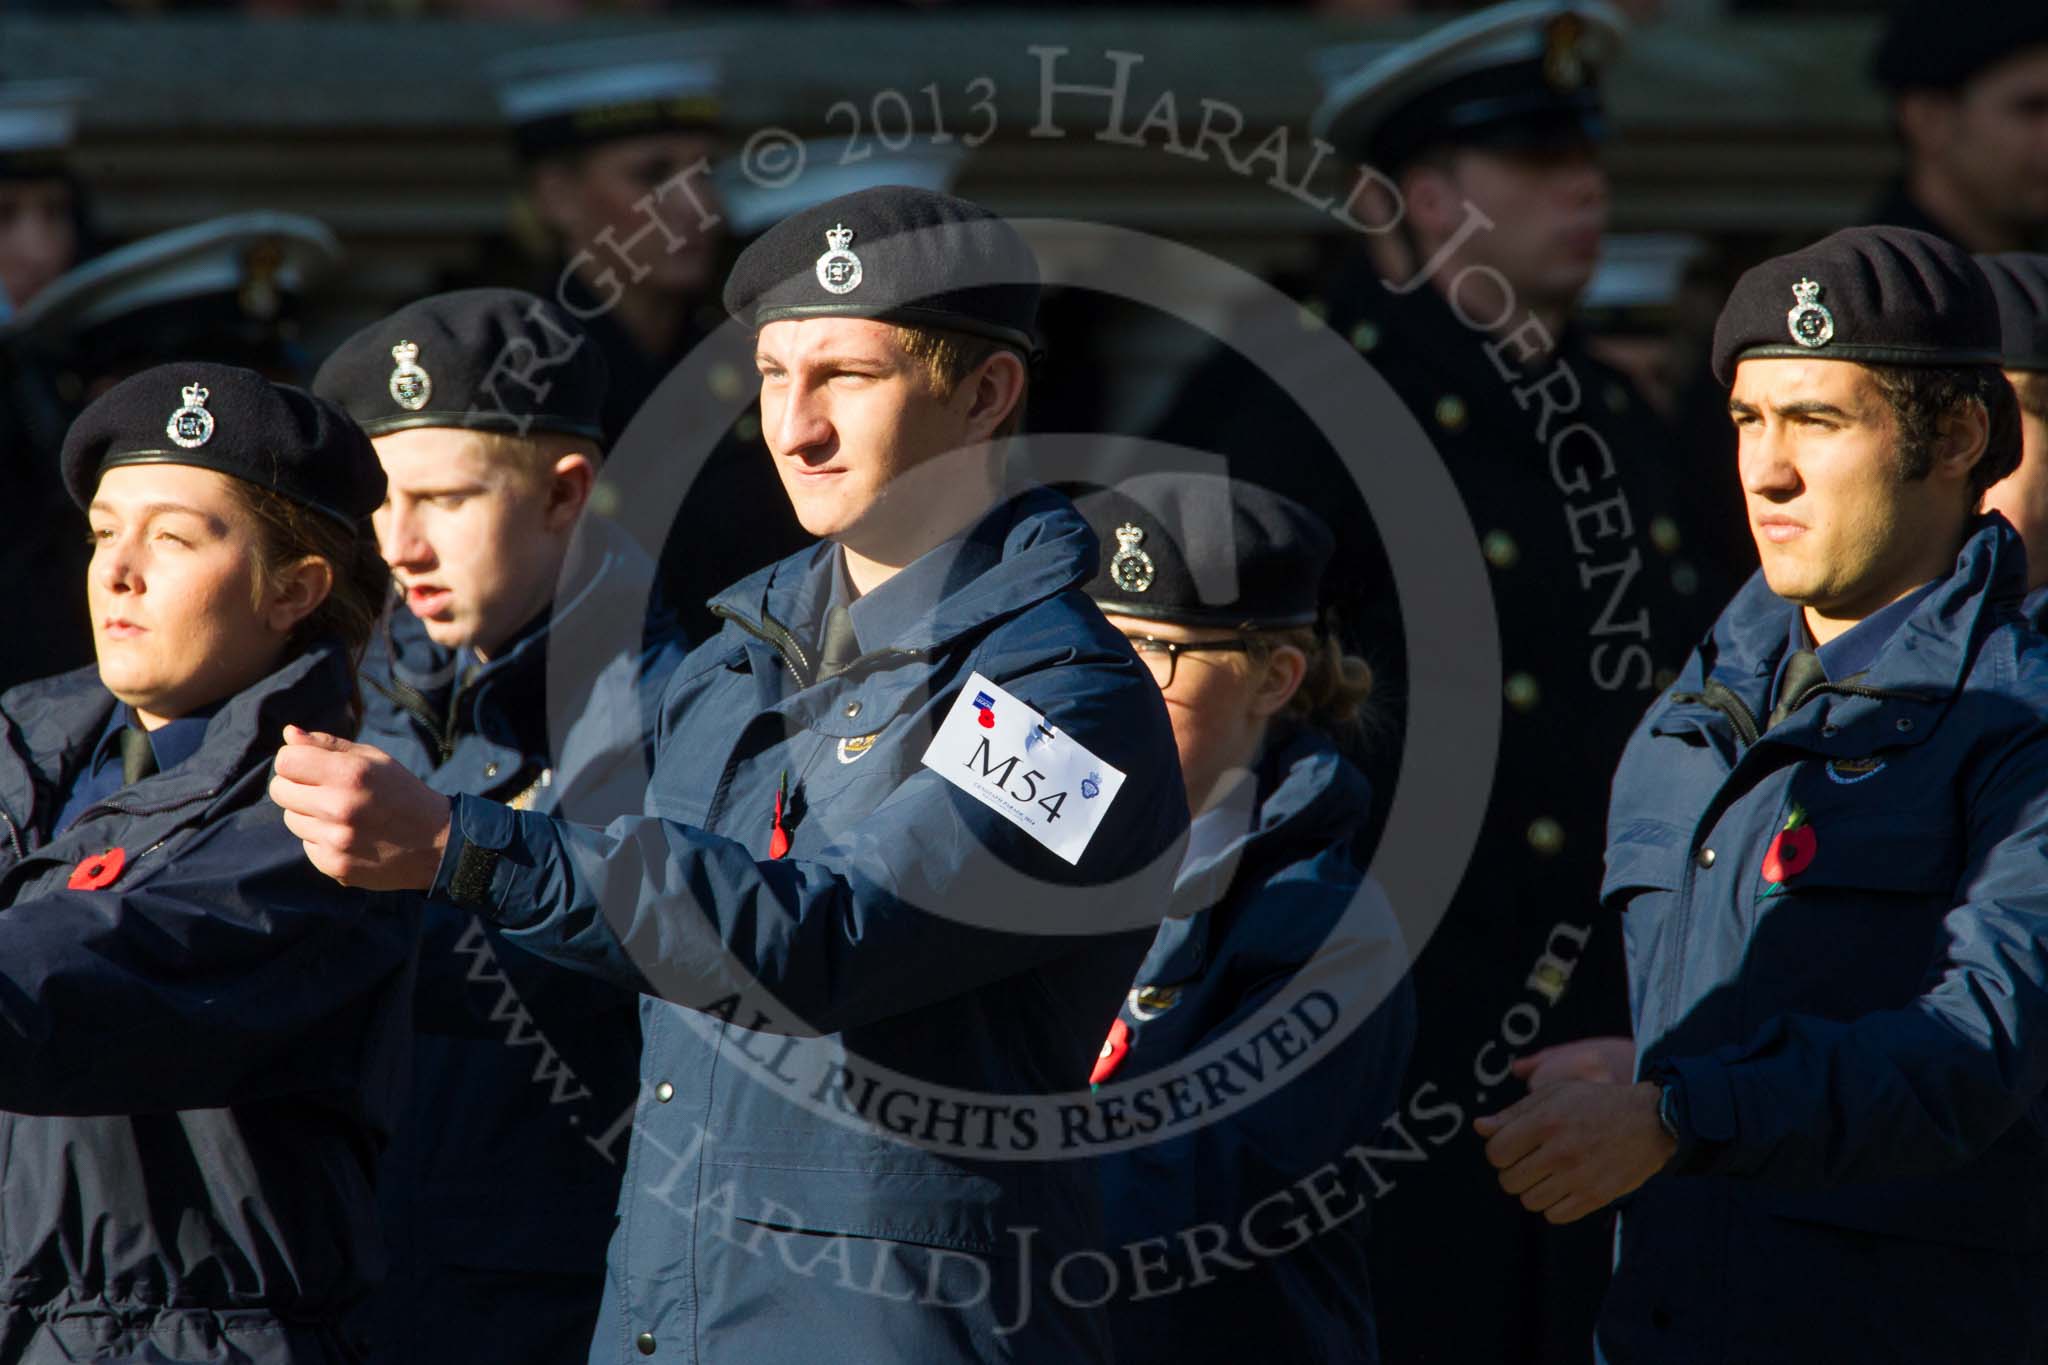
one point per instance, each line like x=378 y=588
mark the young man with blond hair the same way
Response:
x=484 y=409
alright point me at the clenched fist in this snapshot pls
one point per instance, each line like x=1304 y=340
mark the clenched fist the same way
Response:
x=365 y=820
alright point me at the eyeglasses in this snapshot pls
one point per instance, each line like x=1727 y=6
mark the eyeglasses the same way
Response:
x=1163 y=656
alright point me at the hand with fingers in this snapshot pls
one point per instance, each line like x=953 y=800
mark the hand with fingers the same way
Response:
x=1612 y=1060
x=365 y=820
x=1574 y=1147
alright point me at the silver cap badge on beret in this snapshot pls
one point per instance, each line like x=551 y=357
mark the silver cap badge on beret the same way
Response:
x=1131 y=568
x=411 y=386
x=839 y=269
x=192 y=425
x=1812 y=325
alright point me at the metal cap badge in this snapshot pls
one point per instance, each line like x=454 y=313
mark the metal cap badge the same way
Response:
x=1812 y=325
x=1131 y=569
x=839 y=269
x=192 y=425
x=411 y=386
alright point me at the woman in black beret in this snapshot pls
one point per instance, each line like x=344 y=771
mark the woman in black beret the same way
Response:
x=201 y=1037
x=1268 y=1029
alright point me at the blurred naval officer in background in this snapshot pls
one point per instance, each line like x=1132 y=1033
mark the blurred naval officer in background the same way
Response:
x=1968 y=82
x=620 y=140
x=229 y=290
x=1485 y=134
x=42 y=235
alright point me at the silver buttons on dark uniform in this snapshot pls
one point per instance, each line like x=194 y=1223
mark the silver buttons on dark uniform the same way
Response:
x=1705 y=858
x=645 y=1343
x=490 y=770
x=664 y=1092
x=1546 y=836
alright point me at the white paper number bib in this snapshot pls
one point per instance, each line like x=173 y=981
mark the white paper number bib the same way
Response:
x=1004 y=755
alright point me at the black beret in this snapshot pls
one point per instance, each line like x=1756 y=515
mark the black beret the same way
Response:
x=484 y=359
x=1515 y=76
x=2019 y=281
x=1941 y=44
x=232 y=421
x=1873 y=295
x=1204 y=550
x=898 y=254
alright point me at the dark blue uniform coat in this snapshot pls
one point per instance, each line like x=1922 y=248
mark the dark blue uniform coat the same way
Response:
x=1278 y=915
x=919 y=950
x=200 y=1059
x=1859 y=1054
x=500 y=1188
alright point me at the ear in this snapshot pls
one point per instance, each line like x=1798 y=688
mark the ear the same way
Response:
x=1963 y=435
x=1926 y=118
x=297 y=593
x=1435 y=207
x=558 y=194
x=993 y=392
x=568 y=493
x=1281 y=678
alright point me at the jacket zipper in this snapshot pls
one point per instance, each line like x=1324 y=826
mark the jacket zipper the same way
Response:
x=1721 y=698
x=772 y=632
x=410 y=700
x=13 y=836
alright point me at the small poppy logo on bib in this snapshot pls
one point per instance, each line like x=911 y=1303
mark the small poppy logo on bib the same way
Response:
x=97 y=872
x=1791 y=852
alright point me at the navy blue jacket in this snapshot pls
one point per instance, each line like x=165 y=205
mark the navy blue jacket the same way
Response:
x=1275 y=940
x=848 y=1152
x=1860 y=1053
x=199 y=1059
x=500 y=1189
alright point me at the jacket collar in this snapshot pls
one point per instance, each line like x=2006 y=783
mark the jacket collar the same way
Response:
x=47 y=729
x=1308 y=798
x=1035 y=536
x=1918 y=670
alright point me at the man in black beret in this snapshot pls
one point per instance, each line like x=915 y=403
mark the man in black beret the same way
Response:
x=1825 y=845
x=841 y=876
x=486 y=410
x=1968 y=80
x=1477 y=241
x=2019 y=280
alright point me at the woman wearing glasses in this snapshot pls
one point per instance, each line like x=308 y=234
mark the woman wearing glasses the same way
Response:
x=202 y=1038
x=1267 y=1030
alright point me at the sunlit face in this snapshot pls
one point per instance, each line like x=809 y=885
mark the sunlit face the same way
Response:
x=847 y=414
x=1548 y=209
x=2023 y=494
x=173 y=589
x=1213 y=702
x=607 y=190
x=473 y=541
x=38 y=236
x=1837 y=526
